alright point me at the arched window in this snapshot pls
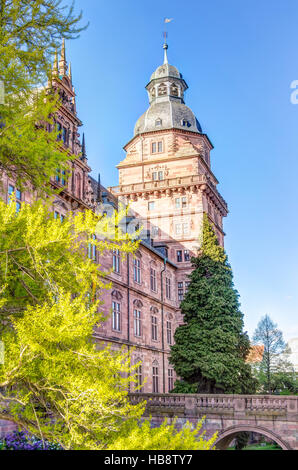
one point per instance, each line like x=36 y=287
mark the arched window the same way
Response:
x=162 y=89
x=116 y=320
x=158 y=122
x=174 y=90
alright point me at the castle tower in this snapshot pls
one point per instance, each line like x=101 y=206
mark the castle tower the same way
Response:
x=166 y=176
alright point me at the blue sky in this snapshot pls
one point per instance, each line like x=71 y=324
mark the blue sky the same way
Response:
x=239 y=59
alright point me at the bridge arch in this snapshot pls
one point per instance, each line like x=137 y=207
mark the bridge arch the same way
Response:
x=226 y=436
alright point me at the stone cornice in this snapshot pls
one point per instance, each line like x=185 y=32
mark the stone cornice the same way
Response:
x=194 y=182
x=166 y=131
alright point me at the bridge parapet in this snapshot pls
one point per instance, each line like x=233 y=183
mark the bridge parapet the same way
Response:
x=281 y=405
x=274 y=416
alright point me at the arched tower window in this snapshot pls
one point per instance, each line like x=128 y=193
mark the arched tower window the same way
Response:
x=162 y=89
x=174 y=90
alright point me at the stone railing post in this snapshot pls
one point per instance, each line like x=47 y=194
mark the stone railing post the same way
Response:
x=190 y=406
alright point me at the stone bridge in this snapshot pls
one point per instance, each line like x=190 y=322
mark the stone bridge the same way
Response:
x=273 y=416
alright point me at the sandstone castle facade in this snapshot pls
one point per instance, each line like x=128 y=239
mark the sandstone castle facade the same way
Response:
x=166 y=179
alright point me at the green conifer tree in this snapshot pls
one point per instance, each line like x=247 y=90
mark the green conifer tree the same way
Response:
x=210 y=347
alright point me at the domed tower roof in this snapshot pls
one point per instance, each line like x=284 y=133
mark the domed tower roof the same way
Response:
x=167 y=109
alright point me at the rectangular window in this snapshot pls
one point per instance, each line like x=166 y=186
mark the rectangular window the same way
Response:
x=153 y=279
x=178 y=229
x=179 y=256
x=153 y=147
x=154 y=176
x=139 y=374
x=18 y=196
x=168 y=288
x=154 y=328
x=155 y=379
x=63 y=179
x=184 y=202
x=186 y=255
x=170 y=379
x=185 y=228
x=180 y=291
x=160 y=175
x=187 y=284
x=116 y=261
x=177 y=203
x=59 y=128
x=159 y=146
x=116 y=316
x=151 y=205
x=137 y=323
x=169 y=332
x=64 y=135
x=137 y=270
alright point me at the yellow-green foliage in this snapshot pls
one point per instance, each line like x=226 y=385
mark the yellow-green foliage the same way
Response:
x=55 y=381
x=165 y=437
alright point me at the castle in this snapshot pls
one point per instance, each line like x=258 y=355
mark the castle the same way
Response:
x=166 y=179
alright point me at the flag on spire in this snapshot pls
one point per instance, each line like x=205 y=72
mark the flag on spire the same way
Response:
x=168 y=20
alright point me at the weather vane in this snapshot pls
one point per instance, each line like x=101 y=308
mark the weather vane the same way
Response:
x=165 y=34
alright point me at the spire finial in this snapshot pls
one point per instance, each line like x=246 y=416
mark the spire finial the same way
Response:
x=165 y=48
x=62 y=62
x=69 y=72
x=84 y=154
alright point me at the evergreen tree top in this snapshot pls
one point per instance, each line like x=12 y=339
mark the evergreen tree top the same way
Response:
x=209 y=242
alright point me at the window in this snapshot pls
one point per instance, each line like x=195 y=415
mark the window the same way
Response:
x=154 y=232
x=137 y=270
x=186 y=255
x=155 y=379
x=158 y=122
x=160 y=175
x=181 y=202
x=154 y=176
x=151 y=205
x=187 y=284
x=185 y=228
x=18 y=196
x=185 y=123
x=65 y=136
x=153 y=279
x=139 y=377
x=59 y=128
x=154 y=328
x=169 y=332
x=180 y=291
x=168 y=288
x=156 y=147
x=162 y=89
x=116 y=261
x=178 y=229
x=174 y=89
x=137 y=323
x=179 y=256
x=116 y=316
x=92 y=249
x=63 y=178
x=170 y=379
